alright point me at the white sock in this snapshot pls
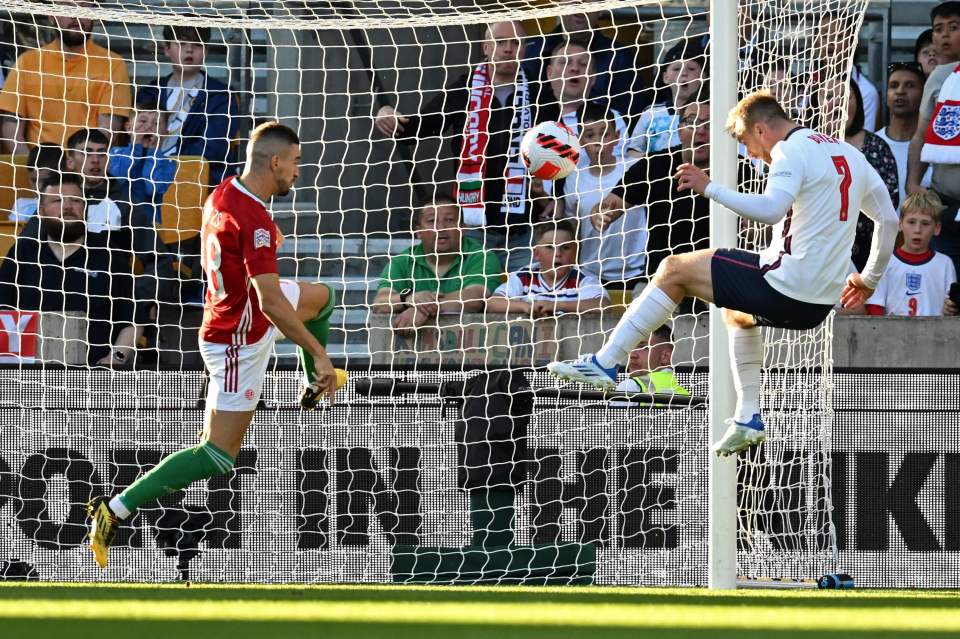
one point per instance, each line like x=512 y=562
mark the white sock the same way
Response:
x=646 y=314
x=746 y=360
x=121 y=511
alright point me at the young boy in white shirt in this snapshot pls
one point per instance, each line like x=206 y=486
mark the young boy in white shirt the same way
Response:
x=615 y=255
x=555 y=284
x=917 y=279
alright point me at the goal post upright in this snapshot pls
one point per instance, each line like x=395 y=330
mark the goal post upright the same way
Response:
x=722 y=516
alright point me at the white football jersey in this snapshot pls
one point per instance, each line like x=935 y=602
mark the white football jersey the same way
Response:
x=529 y=285
x=829 y=180
x=915 y=284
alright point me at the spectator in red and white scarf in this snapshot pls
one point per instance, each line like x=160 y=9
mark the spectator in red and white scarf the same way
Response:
x=493 y=186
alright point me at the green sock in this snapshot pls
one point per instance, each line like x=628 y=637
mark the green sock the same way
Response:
x=319 y=327
x=177 y=471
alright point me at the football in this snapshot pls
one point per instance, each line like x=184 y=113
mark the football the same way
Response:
x=550 y=151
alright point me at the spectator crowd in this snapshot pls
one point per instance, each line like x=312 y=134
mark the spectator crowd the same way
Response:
x=102 y=158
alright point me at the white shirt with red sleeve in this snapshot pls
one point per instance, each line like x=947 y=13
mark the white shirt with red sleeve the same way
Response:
x=239 y=242
x=913 y=285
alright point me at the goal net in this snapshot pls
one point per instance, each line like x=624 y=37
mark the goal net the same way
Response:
x=471 y=465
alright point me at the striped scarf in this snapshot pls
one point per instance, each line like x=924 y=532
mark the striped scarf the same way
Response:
x=471 y=193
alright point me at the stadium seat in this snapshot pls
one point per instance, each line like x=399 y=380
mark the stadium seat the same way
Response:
x=14 y=181
x=620 y=298
x=182 y=208
x=8 y=235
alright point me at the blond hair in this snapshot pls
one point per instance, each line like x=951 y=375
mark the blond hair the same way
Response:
x=926 y=202
x=759 y=106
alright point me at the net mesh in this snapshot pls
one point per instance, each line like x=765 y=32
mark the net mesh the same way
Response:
x=387 y=488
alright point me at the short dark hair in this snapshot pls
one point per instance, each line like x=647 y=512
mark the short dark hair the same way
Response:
x=148 y=99
x=923 y=40
x=274 y=131
x=59 y=179
x=908 y=67
x=85 y=136
x=45 y=156
x=186 y=33
x=434 y=202
x=945 y=10
x=555 y=225
x=268 y=135
x=687 y=49
x=596 y=111
x=858 y=115
x=664 y=332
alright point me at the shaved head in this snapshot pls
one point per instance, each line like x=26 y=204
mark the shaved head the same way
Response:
x=269 y=140
x=273 y=157
x=502 y=45
x=508 y=29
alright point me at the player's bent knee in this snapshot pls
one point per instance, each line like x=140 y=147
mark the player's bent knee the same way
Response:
x=670 y=268
x=331 y=294
x=314 y=298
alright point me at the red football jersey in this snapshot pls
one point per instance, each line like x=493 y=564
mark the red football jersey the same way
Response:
x=239 y=241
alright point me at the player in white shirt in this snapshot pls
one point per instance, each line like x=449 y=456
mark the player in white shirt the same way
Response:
x=817 y=187
x=917 y=280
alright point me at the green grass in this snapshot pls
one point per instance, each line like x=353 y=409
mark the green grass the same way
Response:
x=69 y=611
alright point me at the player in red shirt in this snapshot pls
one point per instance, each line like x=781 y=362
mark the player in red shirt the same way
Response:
x=247 y=305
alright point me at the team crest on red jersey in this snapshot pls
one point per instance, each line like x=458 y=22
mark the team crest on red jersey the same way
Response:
x=261 y=238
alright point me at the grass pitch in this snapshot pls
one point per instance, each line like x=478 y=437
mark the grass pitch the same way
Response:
x=107 y=611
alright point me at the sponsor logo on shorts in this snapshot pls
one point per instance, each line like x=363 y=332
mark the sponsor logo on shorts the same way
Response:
x=248 y=394
x=261 y=238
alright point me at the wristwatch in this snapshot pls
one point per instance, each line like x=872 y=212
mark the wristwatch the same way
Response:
x=404 y=294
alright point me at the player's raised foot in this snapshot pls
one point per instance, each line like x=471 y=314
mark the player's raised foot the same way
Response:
x=586 y=370
x=740 y=436
x=310 y=395
x=103 y=528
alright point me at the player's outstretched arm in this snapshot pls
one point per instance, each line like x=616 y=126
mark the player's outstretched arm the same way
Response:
x=281 y=313
x=879 y=208
x=766 y=208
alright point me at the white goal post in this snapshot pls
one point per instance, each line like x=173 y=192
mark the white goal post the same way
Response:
x=389 y=487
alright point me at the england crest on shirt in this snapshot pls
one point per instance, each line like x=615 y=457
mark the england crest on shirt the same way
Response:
x=913 y=282
x=261 y=238
x=947 y=123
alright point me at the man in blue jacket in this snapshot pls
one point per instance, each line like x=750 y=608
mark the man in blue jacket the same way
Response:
x=204 y=115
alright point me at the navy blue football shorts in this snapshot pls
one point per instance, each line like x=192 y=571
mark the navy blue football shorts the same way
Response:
x=739 y=284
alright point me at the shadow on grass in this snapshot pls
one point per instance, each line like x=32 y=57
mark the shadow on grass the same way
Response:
x=413 y=594
x=83 y=628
